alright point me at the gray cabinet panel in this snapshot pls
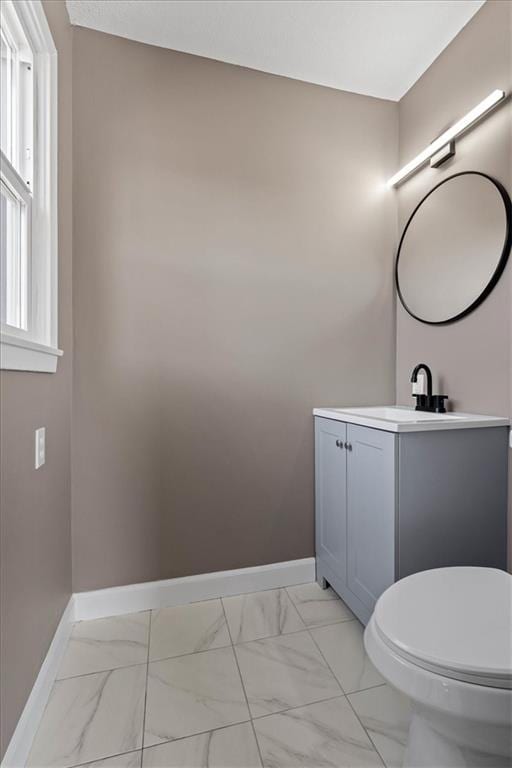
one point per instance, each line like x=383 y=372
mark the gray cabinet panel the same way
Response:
x=452 y=499
x=331 y=510
x=370 y=512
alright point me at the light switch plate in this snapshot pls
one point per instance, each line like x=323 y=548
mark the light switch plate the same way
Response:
x=40 y=447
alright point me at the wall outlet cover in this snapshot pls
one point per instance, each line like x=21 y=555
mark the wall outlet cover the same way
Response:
x=40 y=447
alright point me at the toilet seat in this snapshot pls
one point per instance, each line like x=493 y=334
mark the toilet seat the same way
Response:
x=454 y=622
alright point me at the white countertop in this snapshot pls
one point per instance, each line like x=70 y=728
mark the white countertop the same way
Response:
x=398 y=418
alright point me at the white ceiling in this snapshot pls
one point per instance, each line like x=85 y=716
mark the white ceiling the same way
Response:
x=375 y=47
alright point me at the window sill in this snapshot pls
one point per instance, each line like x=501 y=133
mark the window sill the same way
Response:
x=22 y=355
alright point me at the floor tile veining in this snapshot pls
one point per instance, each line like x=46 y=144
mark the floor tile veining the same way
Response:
x=318 y=607
x=324 y=734
x=232 y=747
x=284 y=672
x=103 y=644
x=188 y=629
x=342 y=648
x=385 y=714
x=261 y=614
x=192 y=694
x=91 y=717
x=276 y=678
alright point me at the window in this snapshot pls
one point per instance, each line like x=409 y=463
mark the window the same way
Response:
x=28 y=189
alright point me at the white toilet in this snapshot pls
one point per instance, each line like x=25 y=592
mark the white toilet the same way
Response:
x=444 y=638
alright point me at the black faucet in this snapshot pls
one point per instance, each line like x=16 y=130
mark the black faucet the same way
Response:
x=428 y=402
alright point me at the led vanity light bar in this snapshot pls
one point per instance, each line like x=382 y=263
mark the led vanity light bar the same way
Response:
x=459 y=127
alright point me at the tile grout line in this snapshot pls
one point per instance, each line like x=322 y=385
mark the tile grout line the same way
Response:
x=347 y=696
x=242 y=683
x=108 y=757
x=309 y=704
x=363 y=690
x=301 y=706
x=364 y=728
x=146 y=691
x=101 y=672
x=281 y=634
x=348 y=700
x=326 y=662
x=190 y=653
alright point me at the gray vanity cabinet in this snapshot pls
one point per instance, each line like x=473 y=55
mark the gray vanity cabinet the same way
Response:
x=390 y=504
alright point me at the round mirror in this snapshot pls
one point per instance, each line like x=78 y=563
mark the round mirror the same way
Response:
x=454 y=248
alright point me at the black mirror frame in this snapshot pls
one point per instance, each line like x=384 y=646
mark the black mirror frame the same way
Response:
x=501 y=263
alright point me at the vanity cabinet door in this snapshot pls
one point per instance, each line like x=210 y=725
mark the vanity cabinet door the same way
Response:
x=371 y=495
x=331 y=494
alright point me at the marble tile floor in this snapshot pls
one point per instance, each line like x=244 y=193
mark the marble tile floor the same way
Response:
x=277 y=678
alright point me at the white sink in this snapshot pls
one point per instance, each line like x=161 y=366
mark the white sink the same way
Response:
x=395 y=418
x=401 y=415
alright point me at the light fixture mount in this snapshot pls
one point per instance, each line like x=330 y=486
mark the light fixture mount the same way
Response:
x=443 y=155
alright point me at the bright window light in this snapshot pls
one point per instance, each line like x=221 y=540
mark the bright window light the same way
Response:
x=17 y=96
x=14 y=222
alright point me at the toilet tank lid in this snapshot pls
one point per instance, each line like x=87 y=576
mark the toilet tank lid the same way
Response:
x=458 y=620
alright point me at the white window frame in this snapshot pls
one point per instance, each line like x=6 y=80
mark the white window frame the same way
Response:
x=36 y=349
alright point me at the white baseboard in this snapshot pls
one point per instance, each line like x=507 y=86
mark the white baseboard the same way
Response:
x=189 y=589
x=19 y=747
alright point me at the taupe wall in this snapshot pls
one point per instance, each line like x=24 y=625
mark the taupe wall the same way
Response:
x=471 y=359
x=473 y=356
x=233 y=244
x=35 y=542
